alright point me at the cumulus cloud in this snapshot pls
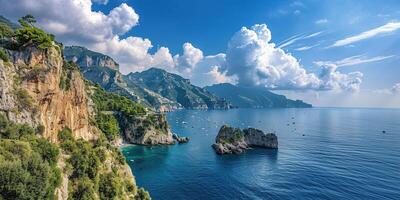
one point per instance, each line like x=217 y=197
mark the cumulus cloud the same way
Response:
x=188 y=61
x=251 y=57
x=75 y=23
x=255 y=60
x=387 y=28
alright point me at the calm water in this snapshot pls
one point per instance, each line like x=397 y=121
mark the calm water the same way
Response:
x=342 y=155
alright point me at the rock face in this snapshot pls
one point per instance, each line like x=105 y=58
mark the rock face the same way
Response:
x=234 y=140
x=146 y=130
x=30 y=92
x=180 y=139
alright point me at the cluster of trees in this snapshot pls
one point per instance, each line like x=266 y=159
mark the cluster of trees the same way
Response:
x=106 y=101
x=88 y=176
x=27 y=34
x=28 y=167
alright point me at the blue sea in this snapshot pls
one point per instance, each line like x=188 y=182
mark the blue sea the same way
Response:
x=324 y=153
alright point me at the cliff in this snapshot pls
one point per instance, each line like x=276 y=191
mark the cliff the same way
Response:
x=55 y=141
x=234 y=140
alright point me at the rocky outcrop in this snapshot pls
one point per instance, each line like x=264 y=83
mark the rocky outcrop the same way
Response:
x=87 y=59
x=180 y=139
x=146 y=130
x=234 y=140
x=31 y=93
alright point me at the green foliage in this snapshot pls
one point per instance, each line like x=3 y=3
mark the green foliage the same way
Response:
x=27 y=163
x=109 y=186
x=4 y=56
x=10 y=130
x=40 y=129
x=65 y=134
x=66 y=75
x=23 y=98
x=106 y=101
x=28 y=34
x=142 y=195
x=109 y=125
x=84 y=161
x=5 y=30
x=84 y=190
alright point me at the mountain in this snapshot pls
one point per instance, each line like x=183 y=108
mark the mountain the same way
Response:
x=59 y=133
x=176 y=88
x=253 y=97
x=154 y=88
x=8 y=23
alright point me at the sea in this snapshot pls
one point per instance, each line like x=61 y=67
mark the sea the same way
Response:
x=324 y=153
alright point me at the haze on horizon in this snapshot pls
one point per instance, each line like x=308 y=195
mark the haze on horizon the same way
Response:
x=328 y=53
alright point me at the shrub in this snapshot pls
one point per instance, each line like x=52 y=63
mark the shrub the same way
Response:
x=4 y=56
x=84 y=190
x=5 y=30
x=109 y=186
x=108 y=124
x=24 y=99
x=28 y=34
x=24 y=174
x=142 y=195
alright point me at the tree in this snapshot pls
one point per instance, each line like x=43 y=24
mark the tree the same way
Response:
x=28 y=34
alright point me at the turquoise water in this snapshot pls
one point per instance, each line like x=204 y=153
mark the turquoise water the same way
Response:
x=328 y=153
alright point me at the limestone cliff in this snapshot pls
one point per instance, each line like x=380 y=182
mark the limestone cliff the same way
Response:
x=31 y=93
x=39 y=89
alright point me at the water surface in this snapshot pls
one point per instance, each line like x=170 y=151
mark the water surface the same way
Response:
x=324 y=153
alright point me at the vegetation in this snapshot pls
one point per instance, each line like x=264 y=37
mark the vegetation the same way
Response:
x=106 y=101
x=5 y=30
x=109 y=125
x=23 y=98
x=28 y=34
x=66 y=76
x=4 y=56
x=27 y=163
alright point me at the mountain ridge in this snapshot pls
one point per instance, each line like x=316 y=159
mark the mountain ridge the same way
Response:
x=253 y=97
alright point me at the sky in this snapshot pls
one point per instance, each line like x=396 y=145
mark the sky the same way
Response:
x=338 y=53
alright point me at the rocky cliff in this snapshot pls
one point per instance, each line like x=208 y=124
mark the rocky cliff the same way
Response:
x=234 y=140
x=52 y=128
x=31 y=93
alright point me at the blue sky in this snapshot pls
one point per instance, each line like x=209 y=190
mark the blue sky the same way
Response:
x=330 y=53
x=209 y=25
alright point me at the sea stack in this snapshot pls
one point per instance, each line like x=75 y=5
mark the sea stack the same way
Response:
x=234 y=140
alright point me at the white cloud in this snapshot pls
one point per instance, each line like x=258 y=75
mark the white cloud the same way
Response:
x=321 y=21
x=395 y=89
x=304 y=48
x=298 y=37
x=387 y=28
x=353 y=60
x=75 y=23
x=191 y=56
x=256 y=61
x=251 y=57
